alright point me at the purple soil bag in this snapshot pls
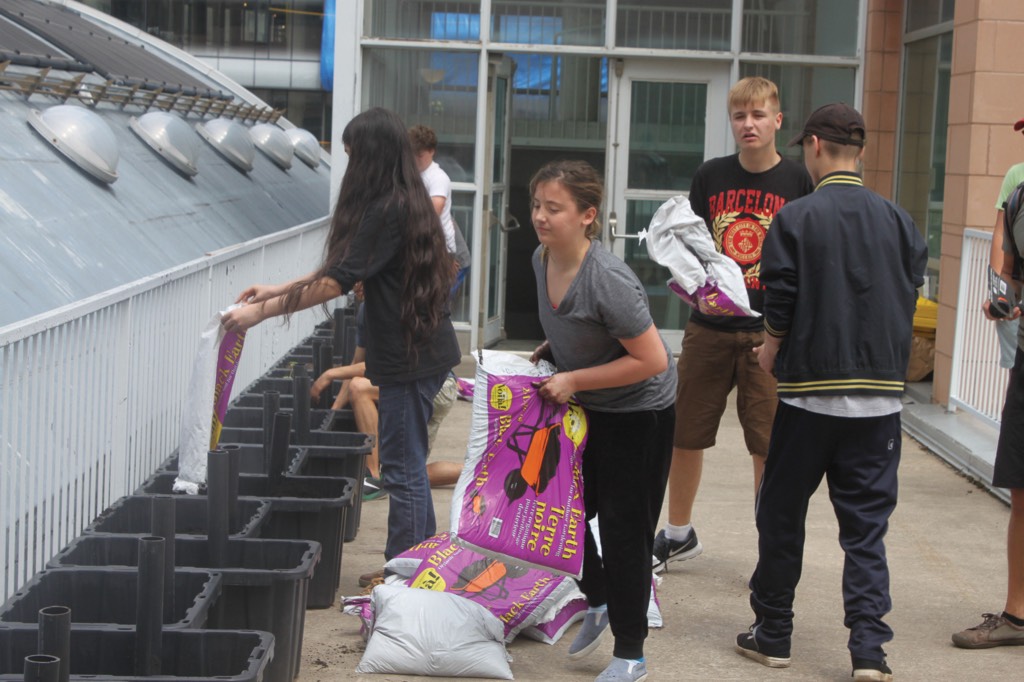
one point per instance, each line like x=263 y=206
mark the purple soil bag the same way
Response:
x=517 y=596
x=709 y=299
x=520 y=496
x=558 y=619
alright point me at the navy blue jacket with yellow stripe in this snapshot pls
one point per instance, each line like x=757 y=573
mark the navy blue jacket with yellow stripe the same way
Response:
x=841 y=268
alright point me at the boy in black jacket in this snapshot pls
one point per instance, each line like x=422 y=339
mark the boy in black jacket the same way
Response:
x=841 y=268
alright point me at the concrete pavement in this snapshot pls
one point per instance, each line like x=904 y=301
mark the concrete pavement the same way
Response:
x=946 y=549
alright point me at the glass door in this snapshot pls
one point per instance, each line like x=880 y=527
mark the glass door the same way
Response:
x=496 y=219
x=665 y=119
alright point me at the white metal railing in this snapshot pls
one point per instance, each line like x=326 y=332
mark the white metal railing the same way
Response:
x=91 y=394
x=978 y=383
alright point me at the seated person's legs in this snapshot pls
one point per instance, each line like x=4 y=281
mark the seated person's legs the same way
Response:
x=441 y=473
x=363 y=397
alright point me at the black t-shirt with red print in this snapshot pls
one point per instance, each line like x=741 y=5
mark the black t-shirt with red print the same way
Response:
x=738 y=206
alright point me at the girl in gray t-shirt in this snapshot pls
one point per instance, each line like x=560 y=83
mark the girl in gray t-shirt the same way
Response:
x=609 y=355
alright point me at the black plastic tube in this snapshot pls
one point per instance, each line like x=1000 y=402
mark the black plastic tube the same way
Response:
x=149 y=606
x=217 y=506
x=55 y=638
x=326 y=356
x=234 y=467
x=42 y=668
x=300 y=400
x=318 y=365
x=271 y=406
x=163 y=526
x=279 y=447
x=339 y=327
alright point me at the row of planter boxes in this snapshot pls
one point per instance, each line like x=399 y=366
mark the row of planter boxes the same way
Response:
x=234 y=593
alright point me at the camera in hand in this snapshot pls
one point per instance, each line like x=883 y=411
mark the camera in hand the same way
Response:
x=1000 y=298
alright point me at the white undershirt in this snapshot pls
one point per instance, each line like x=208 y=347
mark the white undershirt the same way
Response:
x=847 y=405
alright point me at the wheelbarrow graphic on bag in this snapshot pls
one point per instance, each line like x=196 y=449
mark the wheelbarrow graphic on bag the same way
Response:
x=485 y=578
x=538 y=459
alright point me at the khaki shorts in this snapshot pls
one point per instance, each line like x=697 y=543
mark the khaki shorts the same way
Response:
x=443 y=402
x=711 y=363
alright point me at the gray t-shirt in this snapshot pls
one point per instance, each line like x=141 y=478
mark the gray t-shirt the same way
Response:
x=1011 y=237
x=605 y=302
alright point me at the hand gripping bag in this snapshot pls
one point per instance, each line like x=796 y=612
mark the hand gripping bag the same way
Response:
x=520 y=495
x=206 y=402
x=707 y=280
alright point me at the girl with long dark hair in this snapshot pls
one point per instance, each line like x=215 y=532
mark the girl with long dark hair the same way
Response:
x=385 y=234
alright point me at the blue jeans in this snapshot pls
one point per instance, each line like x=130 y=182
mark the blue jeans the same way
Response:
x=404 y=410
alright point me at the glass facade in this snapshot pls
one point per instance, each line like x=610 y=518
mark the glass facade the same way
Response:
x=309 y=109
x=433 y=88
x=922 y=154
x=926 y=13
x=578 y=22
x=674 y=24
x=816 y=27
x=802 y=89
x=424 y=19
x=255 y=29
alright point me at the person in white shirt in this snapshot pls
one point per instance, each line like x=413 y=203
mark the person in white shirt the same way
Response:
x=439 y=187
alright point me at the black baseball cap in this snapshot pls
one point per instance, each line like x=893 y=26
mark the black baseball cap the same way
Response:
x=837 y=122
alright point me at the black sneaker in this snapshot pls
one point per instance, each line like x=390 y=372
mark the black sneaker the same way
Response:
x=746 y=645
x=373 y=489
x=866 y=670
x=666 y=551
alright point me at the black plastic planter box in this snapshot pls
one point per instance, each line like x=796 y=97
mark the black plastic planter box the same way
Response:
x=301 y=507
x=264 y=584
x=331 y=461
x=251 y=459
x=235 y=435
x=107 y=654
x=132 y=514
x=109 y=596
x=319 y=420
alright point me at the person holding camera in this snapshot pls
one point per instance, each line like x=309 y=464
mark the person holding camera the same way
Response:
x=1007 y=627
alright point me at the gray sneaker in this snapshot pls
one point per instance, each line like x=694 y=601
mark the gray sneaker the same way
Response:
x=993 y=631
x=594 y=627
x=621 y=670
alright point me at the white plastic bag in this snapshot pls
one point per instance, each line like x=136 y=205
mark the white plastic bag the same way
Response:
x=209 y=389
x=711 y=282
x=422 y=632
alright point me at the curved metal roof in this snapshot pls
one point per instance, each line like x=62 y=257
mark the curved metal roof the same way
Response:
x=65 y=235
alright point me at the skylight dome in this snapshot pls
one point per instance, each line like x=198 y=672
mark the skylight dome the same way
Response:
x=306 y=146
x=272 y=141
x=80 y=135
x=230 y=140
x=170 y=137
